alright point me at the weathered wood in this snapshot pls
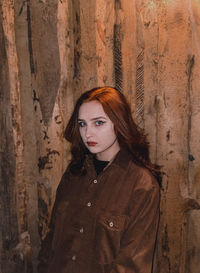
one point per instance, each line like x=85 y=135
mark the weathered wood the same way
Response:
x=172 y=129
x=51 y=52
x=28 y=122
x=8 y=212
x=149 y=18
x=46 y=60
x=193 y=214
x=18 y=253
x=126 y=19
x=49 y=114
x=104 y=21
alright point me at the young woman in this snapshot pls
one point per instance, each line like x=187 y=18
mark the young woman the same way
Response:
x=106 y=212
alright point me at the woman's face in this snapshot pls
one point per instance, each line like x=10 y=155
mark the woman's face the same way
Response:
x=97 y=130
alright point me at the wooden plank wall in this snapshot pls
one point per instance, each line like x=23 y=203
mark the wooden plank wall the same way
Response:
x=53 y=50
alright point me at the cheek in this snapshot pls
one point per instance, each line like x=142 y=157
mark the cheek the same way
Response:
x=112 y=131
x=109 y=134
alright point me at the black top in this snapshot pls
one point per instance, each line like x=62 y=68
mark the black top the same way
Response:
x=99 y=165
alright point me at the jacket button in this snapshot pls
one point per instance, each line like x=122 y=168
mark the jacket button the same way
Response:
x=89 y=204
x=111 y=224
x=73 y=258
x=81 y=230
x=95 y=181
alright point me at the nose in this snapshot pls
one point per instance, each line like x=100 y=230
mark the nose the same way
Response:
x=88 y=132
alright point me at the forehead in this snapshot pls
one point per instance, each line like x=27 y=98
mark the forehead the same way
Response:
x=91 y=109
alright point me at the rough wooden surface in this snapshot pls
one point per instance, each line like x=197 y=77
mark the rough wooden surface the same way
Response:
x=52 y=51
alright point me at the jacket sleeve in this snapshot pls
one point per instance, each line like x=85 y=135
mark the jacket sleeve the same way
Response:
x=138 y=239
x=46 y=245
x=44 y=253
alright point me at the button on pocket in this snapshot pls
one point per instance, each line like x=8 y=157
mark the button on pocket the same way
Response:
x=111 y=224
x=108 y=232
x=89 y=204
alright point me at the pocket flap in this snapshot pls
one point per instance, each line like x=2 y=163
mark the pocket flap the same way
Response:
x=113 y=222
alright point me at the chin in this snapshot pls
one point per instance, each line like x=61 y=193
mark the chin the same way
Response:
x=93 y=150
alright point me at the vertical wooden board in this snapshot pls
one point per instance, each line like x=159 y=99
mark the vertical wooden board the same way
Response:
x=194 y=96
x=45 y=82
x=88 y=58
x=193 y=220
x=117 y=46
x=20 y=251
x=65 y=97
x=28 y=125
x=150 y=32
x=66 y=52
x=8 y=27
x=126 y=18
x=139 y=81
x=45 y=50
x=172 y=128
x=8 y=212
x=77 y=55
x=104 y=22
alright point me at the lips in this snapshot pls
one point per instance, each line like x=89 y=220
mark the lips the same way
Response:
x=91 y=143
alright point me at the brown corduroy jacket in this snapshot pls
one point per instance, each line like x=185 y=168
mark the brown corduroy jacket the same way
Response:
x=103 y=224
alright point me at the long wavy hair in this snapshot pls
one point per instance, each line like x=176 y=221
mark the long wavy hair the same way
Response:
x=128 y=133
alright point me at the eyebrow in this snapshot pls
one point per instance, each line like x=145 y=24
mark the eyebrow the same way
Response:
x=79 y=119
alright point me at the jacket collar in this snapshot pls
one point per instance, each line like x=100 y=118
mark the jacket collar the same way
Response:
x=121 y=160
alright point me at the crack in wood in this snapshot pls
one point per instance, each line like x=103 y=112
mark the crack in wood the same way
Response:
x=35 y=98
x=30 y=47
x=22 y=6
x=117 y=58
x=140 y=89
x=190 y=66
x=168 y=135
x=77 y=40
x=165 y=247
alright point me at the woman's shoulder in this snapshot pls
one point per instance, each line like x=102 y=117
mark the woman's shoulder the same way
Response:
x=65 y=180
x=139 y=175
x=69 y=176
x=142 y=177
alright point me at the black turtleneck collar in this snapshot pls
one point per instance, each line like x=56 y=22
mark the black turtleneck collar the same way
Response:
x=99 y=165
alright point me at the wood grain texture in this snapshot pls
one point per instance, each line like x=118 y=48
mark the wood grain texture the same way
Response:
x=104 y=21
x=174 y=71
x=51 y=52
x=8 y=212
x=42 y=26
x=18 y=254
x=193 y=215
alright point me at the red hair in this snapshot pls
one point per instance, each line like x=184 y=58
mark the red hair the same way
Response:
x=128 y=134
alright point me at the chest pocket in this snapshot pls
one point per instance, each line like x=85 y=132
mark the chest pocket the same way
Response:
x=108 y=232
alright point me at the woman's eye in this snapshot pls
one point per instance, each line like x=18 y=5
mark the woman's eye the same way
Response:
x=99 y=122
x=81 y=124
